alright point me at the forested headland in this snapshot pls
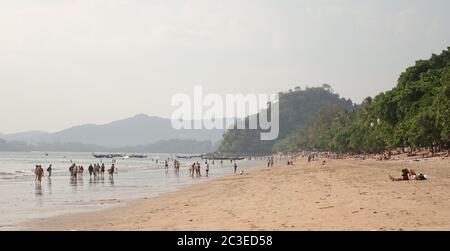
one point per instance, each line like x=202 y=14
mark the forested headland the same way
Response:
x=415 y=113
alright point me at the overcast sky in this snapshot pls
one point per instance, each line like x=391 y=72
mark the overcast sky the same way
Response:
x=69 y=62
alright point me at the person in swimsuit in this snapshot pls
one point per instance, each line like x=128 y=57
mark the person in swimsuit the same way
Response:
x=409 y=174
x=39 y=173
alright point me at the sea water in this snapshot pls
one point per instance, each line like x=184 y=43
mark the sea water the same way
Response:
x=21 y=199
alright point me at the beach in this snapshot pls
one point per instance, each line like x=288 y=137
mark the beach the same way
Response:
x=349 y=194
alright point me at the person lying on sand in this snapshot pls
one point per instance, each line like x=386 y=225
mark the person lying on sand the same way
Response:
x=409 y=174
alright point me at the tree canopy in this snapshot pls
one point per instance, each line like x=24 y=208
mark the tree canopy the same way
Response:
x=416 y=113
x=297 y=108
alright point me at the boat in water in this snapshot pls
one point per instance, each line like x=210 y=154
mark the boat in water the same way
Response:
x=108 y=156
x=221 y=157
x=188 y=156
x=137 y=156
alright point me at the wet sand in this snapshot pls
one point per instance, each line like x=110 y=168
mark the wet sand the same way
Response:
x=340 y=195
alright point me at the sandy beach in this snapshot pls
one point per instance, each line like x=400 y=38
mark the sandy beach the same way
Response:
x=340 y=195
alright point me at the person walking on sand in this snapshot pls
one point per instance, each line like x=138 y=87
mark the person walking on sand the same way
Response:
x=49 y=170
x=207 y=169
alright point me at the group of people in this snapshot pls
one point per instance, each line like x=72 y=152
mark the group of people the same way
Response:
x=99 y=170
x=409 y=174
x=75 y=170
x=195 y=170
x=39 y=172
x=270 y=161
x=94 y=169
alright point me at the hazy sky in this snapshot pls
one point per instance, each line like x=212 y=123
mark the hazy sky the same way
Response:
x=69 y=62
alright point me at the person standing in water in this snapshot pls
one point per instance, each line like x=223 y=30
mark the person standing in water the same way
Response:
x=112 y=170
x=192 y=169
x=91 y=170
x=39 y=171
x=97 y=169
x=103 y=169
x=49 y=170
x=235 y=167
x=36 y=172
x=199 y=173
x=207 y=169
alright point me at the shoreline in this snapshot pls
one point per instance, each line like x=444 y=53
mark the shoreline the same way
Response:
x=340 y=195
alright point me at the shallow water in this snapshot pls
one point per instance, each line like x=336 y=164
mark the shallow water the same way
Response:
x=21 y=199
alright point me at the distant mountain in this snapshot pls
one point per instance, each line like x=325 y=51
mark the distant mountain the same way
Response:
x=163 y=146
x=138 y=130
x=173 y=146
x=30 y=136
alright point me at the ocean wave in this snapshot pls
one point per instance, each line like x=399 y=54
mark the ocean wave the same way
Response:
x=6 y=173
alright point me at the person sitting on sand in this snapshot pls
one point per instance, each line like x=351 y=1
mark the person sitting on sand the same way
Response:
x=409 y=174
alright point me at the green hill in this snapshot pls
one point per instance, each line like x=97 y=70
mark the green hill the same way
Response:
x=416 y=113
x=297 y=108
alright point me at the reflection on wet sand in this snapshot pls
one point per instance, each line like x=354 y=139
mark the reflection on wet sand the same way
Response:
x=100 y=180
x=76 y=182
x=49 y=185
x=38 y=189
x=39 y=195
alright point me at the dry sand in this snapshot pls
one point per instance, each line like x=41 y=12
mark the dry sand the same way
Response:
x=341 y=195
